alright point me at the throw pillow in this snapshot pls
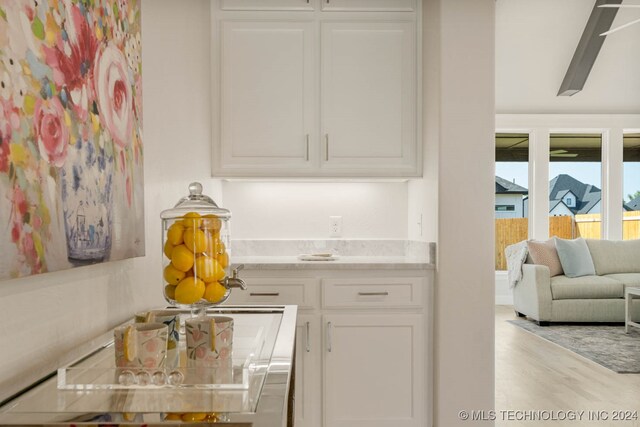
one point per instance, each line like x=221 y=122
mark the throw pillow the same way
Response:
x=545 y=253
x=575 y=257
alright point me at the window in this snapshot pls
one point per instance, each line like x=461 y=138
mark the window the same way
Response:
x=505 y=208
x=575 y=164
x=512 y=190
x=631 y=186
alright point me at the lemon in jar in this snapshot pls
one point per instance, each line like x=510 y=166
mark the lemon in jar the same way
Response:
x=214 y=292
x=195 y=240
x=189 y=291
x=192 y=219
x=182 y=258
x=175 y=234
x=172 y=275
x=167 y=249
x=223 y=259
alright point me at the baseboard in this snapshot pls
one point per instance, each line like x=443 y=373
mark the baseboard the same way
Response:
x=504 y=294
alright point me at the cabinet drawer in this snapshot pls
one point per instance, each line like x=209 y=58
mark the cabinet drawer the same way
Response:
x=301 y=292
x=268 y=4
x=373 y=292
x=369 y=5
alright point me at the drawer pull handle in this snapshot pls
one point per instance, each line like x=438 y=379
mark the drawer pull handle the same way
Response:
x=264 y=294
x=329 y=337
x=373 y=294
x=308 y=343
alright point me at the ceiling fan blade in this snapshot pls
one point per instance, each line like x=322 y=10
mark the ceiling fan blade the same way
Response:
x=620 y=6
x=564 y=155
x=628 y=24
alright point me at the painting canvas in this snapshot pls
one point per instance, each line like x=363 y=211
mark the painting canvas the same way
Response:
x=71 y=178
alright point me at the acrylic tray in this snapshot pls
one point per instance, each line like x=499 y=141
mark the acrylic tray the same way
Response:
x=98 y=371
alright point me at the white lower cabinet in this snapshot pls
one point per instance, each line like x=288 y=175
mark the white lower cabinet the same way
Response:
x=362 y=344
x=373 y=370
x=307 y=384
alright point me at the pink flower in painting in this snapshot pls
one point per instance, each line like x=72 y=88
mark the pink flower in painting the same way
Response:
x=51 y=131
x=72 y=61
x=19 y=201
x=9 y=121
x=114 y=94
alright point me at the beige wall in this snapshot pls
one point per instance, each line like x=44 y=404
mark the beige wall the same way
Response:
x=464 y=296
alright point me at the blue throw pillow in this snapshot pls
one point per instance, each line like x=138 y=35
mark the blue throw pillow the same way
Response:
x=575 y=257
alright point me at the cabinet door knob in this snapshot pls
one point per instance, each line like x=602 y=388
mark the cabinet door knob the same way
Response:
x=329 y=346
x=308 y=342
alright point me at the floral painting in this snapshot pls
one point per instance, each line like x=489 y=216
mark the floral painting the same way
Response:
x=71 y=182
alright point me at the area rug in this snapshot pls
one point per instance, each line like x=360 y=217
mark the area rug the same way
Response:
x=605 y=345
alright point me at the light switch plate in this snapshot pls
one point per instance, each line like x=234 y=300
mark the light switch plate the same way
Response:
x=335 y=227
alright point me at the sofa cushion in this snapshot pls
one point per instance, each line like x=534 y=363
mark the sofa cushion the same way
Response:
x=575 y=257
x=615 y=256
x=545 y=253
x=586 y=287
x=628 y=279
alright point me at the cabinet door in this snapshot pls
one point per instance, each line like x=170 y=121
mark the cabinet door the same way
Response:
x=369 y=97
x=373 y=370
x=268 y=102
x=268 y=4
x=307 y=382
x=369 y=5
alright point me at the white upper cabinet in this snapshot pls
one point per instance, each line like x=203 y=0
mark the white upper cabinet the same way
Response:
x=369 y=96
x=268 y=4
x=369 y=5
x=267 y=93
x=316 y=94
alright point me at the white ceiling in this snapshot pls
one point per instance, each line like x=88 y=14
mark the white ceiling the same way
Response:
x=535 y=41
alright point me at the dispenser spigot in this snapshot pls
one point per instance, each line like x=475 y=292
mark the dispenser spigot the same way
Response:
x=234 y=281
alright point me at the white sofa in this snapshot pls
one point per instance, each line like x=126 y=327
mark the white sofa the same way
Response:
x=598 y=298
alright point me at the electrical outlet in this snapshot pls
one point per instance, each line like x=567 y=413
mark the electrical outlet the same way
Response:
x=335 y=227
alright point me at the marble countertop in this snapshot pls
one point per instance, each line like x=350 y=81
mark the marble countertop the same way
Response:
x=341 y=263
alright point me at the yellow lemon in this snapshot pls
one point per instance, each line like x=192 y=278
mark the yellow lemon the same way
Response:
x=182 y=258
x=168 y=247
x=214 y=292
x=192 y=219
x=175 y=234
x=170 y=292
x=172 y=275
x=211 y=222
x=223 y=260
x=195 y=240
x=129 y=343
x=221 y=247
x=173 y=416
x=194 y=416
x=207 y=268
x=189 y=290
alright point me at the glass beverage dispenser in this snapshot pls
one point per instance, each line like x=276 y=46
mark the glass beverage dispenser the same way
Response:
x=195 y=254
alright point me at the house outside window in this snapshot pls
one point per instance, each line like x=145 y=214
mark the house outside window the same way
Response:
x=505 y=208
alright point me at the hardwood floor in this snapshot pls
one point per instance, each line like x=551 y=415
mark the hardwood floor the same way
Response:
x=533 y=374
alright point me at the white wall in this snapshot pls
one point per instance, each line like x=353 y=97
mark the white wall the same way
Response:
x=301 y=210
x=47 y=315
x=535 y=41
x=465 y=288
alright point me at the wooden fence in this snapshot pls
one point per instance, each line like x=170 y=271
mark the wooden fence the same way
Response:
x=514 y=230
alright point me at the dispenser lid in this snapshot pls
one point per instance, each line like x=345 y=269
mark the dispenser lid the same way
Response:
x=195 y=202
